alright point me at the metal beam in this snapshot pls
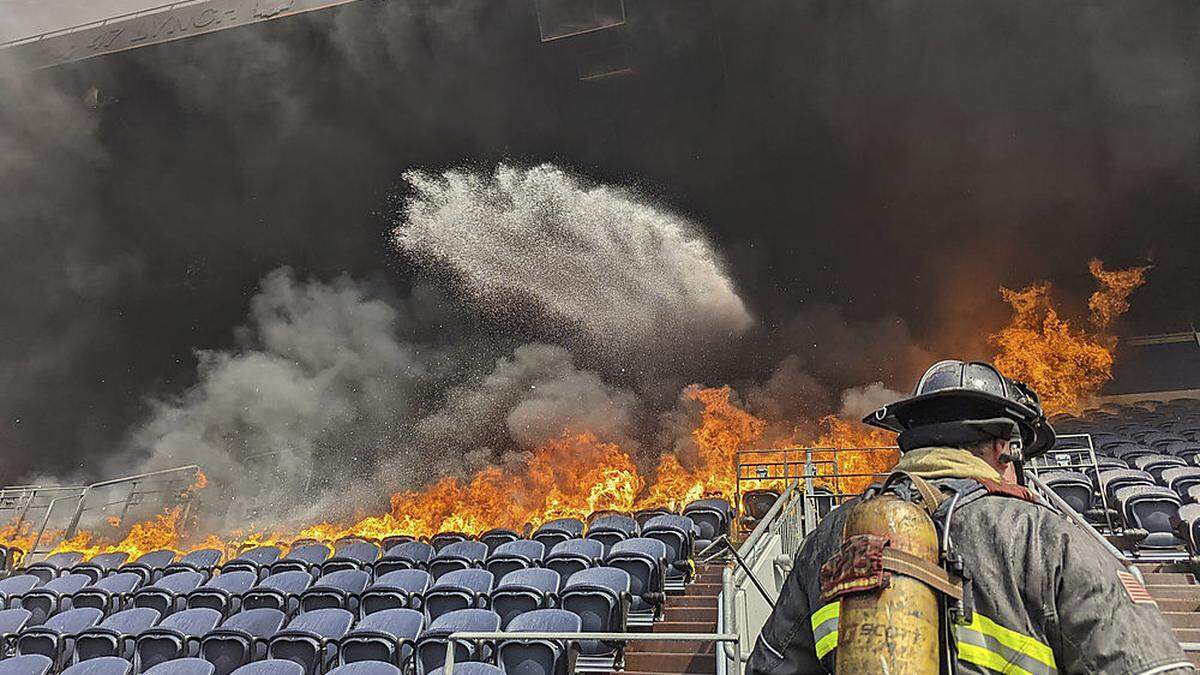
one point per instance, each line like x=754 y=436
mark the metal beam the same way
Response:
x=164 y=23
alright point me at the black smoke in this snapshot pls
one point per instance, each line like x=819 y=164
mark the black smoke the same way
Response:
x=877 y=168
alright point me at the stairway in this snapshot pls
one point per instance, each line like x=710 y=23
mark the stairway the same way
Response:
x=693 y=612
x=1177 y=593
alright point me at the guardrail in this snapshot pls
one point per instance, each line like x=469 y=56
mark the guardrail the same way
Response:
x=477 y=637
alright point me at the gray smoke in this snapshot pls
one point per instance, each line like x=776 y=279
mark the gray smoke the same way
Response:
x=633 y=276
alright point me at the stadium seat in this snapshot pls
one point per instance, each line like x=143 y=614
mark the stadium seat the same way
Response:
x=469 y=668
x=279 y=591
x=109 y=594
x=677 y=532
x=431 y=645
x=756 y=504
x=240 y=639
x=339 y=589
x=645 y=560
x=305 y=558
x=12 y=622
x=712 y=518
x=600 y=596
x=45 y=600
x=1179 y=479
x=271 y=667
x=115 y=635
x=1152 y=508
x=14 y=587
x=611 y=528
x=401 y=589
x=204 y=561
x=56 y=637
x=104 y=665
x=1113 y=480
x=404 y=556
x=1187 y=527
x=366 y=668
x=150 y=566
x=573 y=555
x=646 y=514
x=359 y=555
x=224 y=591
x=460 y=589
x=184 y=666
x=1156 y=464
x=460 y=555
x=257 y=560
x=168 y=594
x=99 y=566
x=54 y=565
x=311 y=638
x=1188 y=451
x=1073 y=487
x=515 y=555
x=540 y=657
x=389 y=635
x=497 y=536
x=441 y=540
x=525 y=591
x=175 y=637
x=555 y=531
x=27 y=664
x=392 y=541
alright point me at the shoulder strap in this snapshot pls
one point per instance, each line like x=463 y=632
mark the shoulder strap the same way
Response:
x=931 y=497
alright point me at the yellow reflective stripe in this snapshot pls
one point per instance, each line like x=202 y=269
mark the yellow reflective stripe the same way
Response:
x=1015 y=641
x=826 y=613
x=825 y=628
x=981 y=656
x=826 y=644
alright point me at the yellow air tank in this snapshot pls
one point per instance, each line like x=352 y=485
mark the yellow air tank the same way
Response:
x=894 y=630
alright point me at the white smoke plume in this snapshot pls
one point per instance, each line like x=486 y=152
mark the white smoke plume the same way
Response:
x=633 y=276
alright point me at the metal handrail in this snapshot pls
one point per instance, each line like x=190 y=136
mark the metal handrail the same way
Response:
x=468 y=636
x=96 y=24
x=74 y=526
x=1058 y=502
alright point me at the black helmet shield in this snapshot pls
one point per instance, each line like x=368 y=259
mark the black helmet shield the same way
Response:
x=959 y=402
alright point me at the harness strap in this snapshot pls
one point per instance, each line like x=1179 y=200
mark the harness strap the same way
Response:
x=931 y=575
x=931 y=497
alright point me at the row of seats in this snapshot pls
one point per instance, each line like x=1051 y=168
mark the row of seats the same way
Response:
x=36 y=664
x=134 y=640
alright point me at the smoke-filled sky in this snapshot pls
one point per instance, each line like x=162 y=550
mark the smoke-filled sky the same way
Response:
x=391 y=230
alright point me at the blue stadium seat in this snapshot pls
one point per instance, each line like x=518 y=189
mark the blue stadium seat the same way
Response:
x=28 y=664
x=573 y=555
x=431 y=645
x=257 y=560
x=460 y=555
x=359 y=555
x=311 y=639
x=109 y=594
x=395 y=590
x=645 y=560
x=271 y=667
x=600 y=596
x=525 y=591
x=45 y=600
x=391 y=541
x=536 y=656
x=168 y=594
x=1111 y=481
x=101 y=565
x=279 y=591
x=515 y=555
x=104 y=665
x=184 y=666
x=204 y=561
x=366 y=668
x=404 y=556
x=1156 y=464
x=1073 y=487
x=339 y=589
x=1180 y=478
x=497 y=536
x=678 y=533
x=175 y=637
x=389 y=635
x=441 y=540
x=1152 y=508
x=305 y=558
x=12 y=622
x=555 y=531
x=611 y=528
x=150 y=566
x=712 y=517
x=115 y=635
x=14 y=587
x=56 y=637
x=469 y=668
x=240 y=639
x=460 y=589
x=224 y=591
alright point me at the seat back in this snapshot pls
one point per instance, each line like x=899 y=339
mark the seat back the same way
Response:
x=309 y=639
x=431 y=646
x=398 y=589
x=26 y=664
x=359 y=555
x=538 y=657
x=114 y=636
x=45 y=600
x=185 y=666
x=336 y=589
x=406 y=555
x=279 y=591
x=240 y=639
x=104 y=665
x=598 y=595
x=460 y=589
x=388 y=635
x=495 y=537
x=573 y=555
x=167 y=594
x=515 y=555
x=224 y=591
x=109 y=593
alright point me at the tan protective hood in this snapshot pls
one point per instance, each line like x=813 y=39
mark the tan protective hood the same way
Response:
x=931 y=463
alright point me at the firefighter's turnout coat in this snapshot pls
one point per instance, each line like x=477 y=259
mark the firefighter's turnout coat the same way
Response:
x=1048 y=598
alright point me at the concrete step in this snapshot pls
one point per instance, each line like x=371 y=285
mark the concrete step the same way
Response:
x=1169 y=578
x=1162 y=592
x=700 y=588
x=1186 y=634
x=1194 y=657
x=683 y=627
x=1178 y=604
x=690 y=601
x=658 y=662
x=1182 y=619
x=705 y=614
x=671 y=647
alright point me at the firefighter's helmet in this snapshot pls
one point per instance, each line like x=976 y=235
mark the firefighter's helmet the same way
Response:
x=960 y=402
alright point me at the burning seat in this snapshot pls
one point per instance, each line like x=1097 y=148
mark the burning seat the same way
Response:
x=311 y=639
x=109 y=594
x=339 y=589
x=100 y=566
x=536 y=656
x=56 y=638
x=431 y=645
x=756 y=504
x=115 y=635
x=223 y=592
x=150 y=566
x=47 y=599
x=204 y=561
x=561 y=529
x=168 y=594
x=712 y=517
x=459 y=589
x=460 y=555
x=240 y=639
x=600 y=597
x=611 y=528
x=401 y=589
x=360 y=555
x=404 y=556
x=515 y=555
x=54 y=565
x=441 y=540
x=525 y=591
x=176 y=637
x=279 y=591
x=645 y=560
x=573 y=555
x=257 y=560
x=304 y=557
x=389 y=635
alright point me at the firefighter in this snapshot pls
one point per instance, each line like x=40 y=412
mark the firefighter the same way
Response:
x=1042 y=596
